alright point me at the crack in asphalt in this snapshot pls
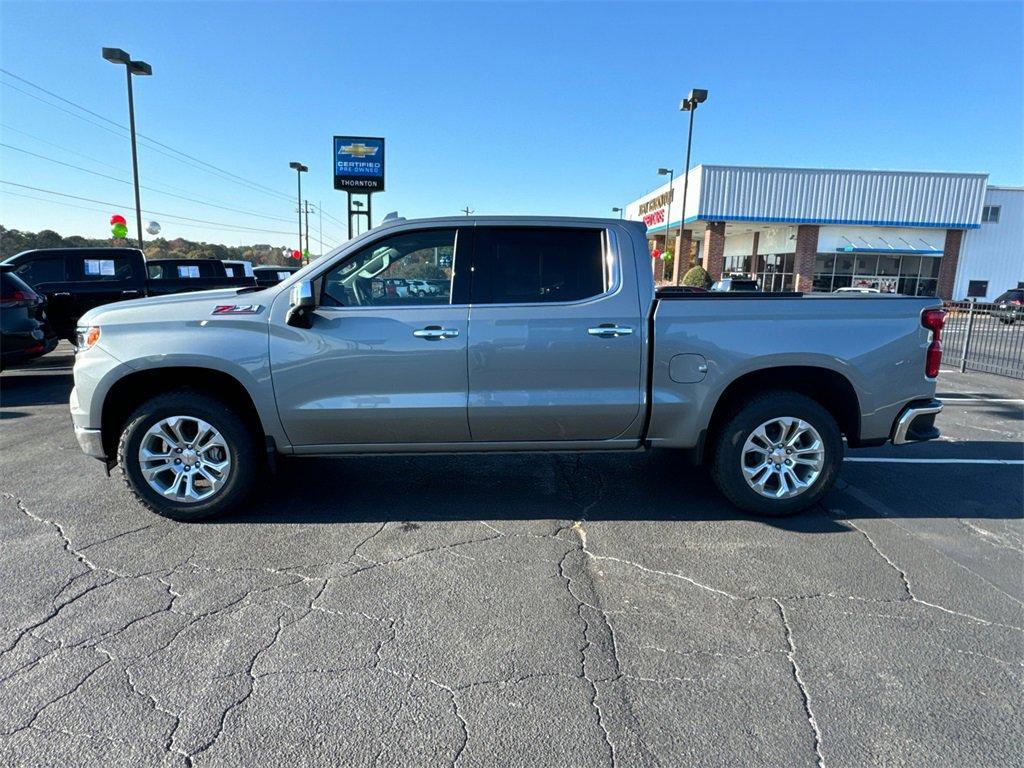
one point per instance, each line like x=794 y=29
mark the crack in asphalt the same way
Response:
x=247 y=695
x=582 y=649
x=804 y=694
x=910 y=592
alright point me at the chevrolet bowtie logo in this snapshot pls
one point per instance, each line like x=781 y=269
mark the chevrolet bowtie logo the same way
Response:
x=358 y=150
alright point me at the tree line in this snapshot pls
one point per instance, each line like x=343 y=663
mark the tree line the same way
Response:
x=14 y=241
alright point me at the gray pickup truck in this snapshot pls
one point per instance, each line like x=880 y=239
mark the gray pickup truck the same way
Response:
x=545 y=334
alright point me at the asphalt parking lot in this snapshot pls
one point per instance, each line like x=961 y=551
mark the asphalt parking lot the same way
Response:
x=516 y=610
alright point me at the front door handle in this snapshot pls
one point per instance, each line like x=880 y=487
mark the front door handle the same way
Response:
x=610 y=330
x=436 y=332
x=61 y=294
x=130 y=293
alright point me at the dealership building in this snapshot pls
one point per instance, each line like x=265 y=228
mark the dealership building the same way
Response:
x=810 y=229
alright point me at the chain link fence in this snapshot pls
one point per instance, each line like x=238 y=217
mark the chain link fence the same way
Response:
x=984 y=337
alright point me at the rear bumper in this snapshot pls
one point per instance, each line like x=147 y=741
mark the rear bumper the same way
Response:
x=916 y=422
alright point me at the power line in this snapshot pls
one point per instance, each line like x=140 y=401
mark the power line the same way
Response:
x=202 y=164
x=149 y=211
x=158 y=190
x=103 y=210
x=72 y=151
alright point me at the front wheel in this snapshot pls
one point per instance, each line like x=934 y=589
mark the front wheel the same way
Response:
x=188 y=456
x=777 y=455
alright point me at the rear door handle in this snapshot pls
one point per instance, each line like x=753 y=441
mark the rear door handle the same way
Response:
x=61 y=294
x=129 y=293
x=610 y=330
x=436 y=332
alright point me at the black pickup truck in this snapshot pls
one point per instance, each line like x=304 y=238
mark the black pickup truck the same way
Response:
x=74 y=280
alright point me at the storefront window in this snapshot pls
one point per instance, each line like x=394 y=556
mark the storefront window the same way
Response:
x=775 y=271
x=888 y=265
x=738 y=264
x=908 y=274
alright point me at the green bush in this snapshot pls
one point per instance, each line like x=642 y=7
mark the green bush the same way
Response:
x=697 y=277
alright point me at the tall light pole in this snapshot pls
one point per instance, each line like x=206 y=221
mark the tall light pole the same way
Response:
x=117 y=56
x=689 y=104
x=299 y=170
x=668 y=211
x=618 y=211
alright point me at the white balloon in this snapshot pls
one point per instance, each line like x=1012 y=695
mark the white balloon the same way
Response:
x=153 y=228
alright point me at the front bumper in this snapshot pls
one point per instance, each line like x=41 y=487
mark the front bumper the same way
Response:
x=916 y=422
x=91 y=442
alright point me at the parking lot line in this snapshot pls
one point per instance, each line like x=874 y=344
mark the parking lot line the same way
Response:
x=887 y=460
x=981 y=400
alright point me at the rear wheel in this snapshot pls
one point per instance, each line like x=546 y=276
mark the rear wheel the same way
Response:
x=188 y=456
x=777 y=455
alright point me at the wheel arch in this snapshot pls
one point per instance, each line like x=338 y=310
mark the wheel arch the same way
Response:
x=130 y=391
x=828 y=387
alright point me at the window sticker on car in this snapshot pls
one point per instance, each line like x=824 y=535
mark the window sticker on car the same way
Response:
x=283 y=275
x=99 y=267
x=188 y=271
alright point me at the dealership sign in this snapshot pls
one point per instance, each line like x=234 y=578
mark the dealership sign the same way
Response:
x=653 y=210
x=358 y=164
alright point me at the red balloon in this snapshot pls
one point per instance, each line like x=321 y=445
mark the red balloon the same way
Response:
x=117 y=218
x=296 y=255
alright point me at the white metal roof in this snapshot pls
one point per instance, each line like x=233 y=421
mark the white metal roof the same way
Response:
x=830 y=196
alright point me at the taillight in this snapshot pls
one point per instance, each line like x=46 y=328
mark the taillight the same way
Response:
x=18 y=298
x=1018 y=302
x=933 y=320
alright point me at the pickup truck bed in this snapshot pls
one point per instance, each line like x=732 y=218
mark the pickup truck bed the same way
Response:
x=546 y=334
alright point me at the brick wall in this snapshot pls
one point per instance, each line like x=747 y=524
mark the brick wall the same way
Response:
x=947 y=267
x=714 y=249
x=684 y=243
x=803 y=260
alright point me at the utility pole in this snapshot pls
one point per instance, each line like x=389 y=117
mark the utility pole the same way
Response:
x=467 y=210
x=320 y=209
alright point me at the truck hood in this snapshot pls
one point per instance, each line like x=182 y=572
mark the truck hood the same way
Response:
x=177 y=307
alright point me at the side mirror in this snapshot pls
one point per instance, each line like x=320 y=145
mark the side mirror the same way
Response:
x=301 y=305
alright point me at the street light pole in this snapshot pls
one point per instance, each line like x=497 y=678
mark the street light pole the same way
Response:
x=689 y=104
x=668 y=210
x=117 y=56
x=306 y=253
x=299 y=170
x=618 y=211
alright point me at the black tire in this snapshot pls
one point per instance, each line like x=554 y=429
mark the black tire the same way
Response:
x=726 y=464
x=246 y=457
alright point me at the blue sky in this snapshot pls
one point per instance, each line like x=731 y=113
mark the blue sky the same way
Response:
x=508 y=108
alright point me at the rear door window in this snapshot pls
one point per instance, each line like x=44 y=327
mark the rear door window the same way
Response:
x=48 y=269
x=538 y=265
x=102 y=267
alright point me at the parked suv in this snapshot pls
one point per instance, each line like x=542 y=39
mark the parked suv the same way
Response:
x=24 y=331
x=1009 y=307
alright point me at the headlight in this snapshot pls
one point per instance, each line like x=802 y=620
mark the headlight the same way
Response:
x=86 y=337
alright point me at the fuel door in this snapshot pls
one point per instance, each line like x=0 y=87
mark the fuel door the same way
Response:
x=687 y=368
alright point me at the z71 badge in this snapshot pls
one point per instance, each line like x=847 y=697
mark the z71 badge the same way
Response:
x=236 y=309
